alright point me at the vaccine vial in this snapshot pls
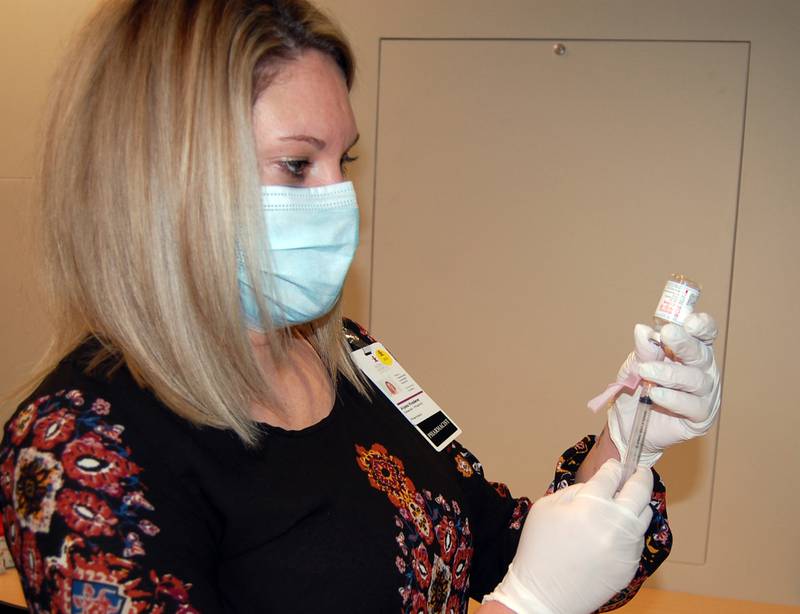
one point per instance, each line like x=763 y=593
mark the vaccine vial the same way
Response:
x=677 y=301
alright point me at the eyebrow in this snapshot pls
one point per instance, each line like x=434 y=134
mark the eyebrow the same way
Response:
x=317 y=143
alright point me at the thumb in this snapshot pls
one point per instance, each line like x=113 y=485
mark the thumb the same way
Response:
x=635 y=494
x=647 y=350
x=702 y=326
x=565 y=495
x=604 y=483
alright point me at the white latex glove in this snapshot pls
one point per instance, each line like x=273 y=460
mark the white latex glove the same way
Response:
x=687 y=393
x=579 y=546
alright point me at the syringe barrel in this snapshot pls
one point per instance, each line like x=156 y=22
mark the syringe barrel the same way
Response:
x=638 y=432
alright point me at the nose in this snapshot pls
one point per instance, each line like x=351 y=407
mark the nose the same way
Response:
x=327 y=171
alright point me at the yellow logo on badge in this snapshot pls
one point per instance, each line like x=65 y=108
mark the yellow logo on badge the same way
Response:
x=384 y=356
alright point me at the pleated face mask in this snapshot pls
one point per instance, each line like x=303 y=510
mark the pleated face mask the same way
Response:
x=311 y=235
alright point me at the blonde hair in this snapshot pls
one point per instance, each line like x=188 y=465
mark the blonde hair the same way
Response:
x=149 y=185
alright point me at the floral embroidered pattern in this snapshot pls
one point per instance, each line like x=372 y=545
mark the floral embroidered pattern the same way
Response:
x=86 y=513
x=67 y=472
x=12 y=533
x=463 y=466
x=466 y=463
x=501 y=489
x=53 y=429
x=20 y=425
x=387 y=474
x=32 y=561
x=95 y=465
x=434 y=538
x=520 y=513
x=107 y=583
x=37 y=477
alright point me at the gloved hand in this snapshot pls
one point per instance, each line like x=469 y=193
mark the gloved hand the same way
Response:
x=579 y=546
x=687 y=391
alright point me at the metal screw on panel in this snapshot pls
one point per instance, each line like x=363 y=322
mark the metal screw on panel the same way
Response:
x=559 y=49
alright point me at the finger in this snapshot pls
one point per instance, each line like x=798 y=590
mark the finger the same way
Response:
x=646 y=350
x=677 y=376
x=557 y=498
x=685 y=348
x=605 y=482
x=635 y=494
x=690 y=406
x=645 y=517
x=631 y=365
x=702 y=326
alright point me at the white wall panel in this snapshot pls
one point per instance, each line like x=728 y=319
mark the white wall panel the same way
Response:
x=528 y=208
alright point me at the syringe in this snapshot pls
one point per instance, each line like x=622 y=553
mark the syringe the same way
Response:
x=676 y=303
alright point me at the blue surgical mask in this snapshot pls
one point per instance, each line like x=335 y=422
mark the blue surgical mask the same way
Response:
x=312 y=235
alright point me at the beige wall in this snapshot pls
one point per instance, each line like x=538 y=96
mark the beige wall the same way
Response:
x=32 y=33
x=591 y=176
x=748 y=524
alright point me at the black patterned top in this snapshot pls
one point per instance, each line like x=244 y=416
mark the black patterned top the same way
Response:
x=112 y=503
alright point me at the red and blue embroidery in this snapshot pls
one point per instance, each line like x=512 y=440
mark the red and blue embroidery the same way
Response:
x=67 y=472
x=434 y=537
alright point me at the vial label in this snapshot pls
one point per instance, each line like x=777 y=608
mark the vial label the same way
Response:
x=677 y=302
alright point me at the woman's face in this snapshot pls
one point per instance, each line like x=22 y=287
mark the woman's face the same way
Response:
x=303 y=124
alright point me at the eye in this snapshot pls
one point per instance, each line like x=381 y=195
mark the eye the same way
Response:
x=294 y=166
x=346 y=159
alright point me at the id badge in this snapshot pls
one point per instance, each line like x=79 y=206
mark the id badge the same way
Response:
x=406 y=395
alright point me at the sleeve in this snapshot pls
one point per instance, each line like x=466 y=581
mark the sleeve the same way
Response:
x=91 y=528
x=499 y=518
x=657 y=539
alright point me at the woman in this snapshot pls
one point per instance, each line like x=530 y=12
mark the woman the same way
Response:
x=202 y=441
